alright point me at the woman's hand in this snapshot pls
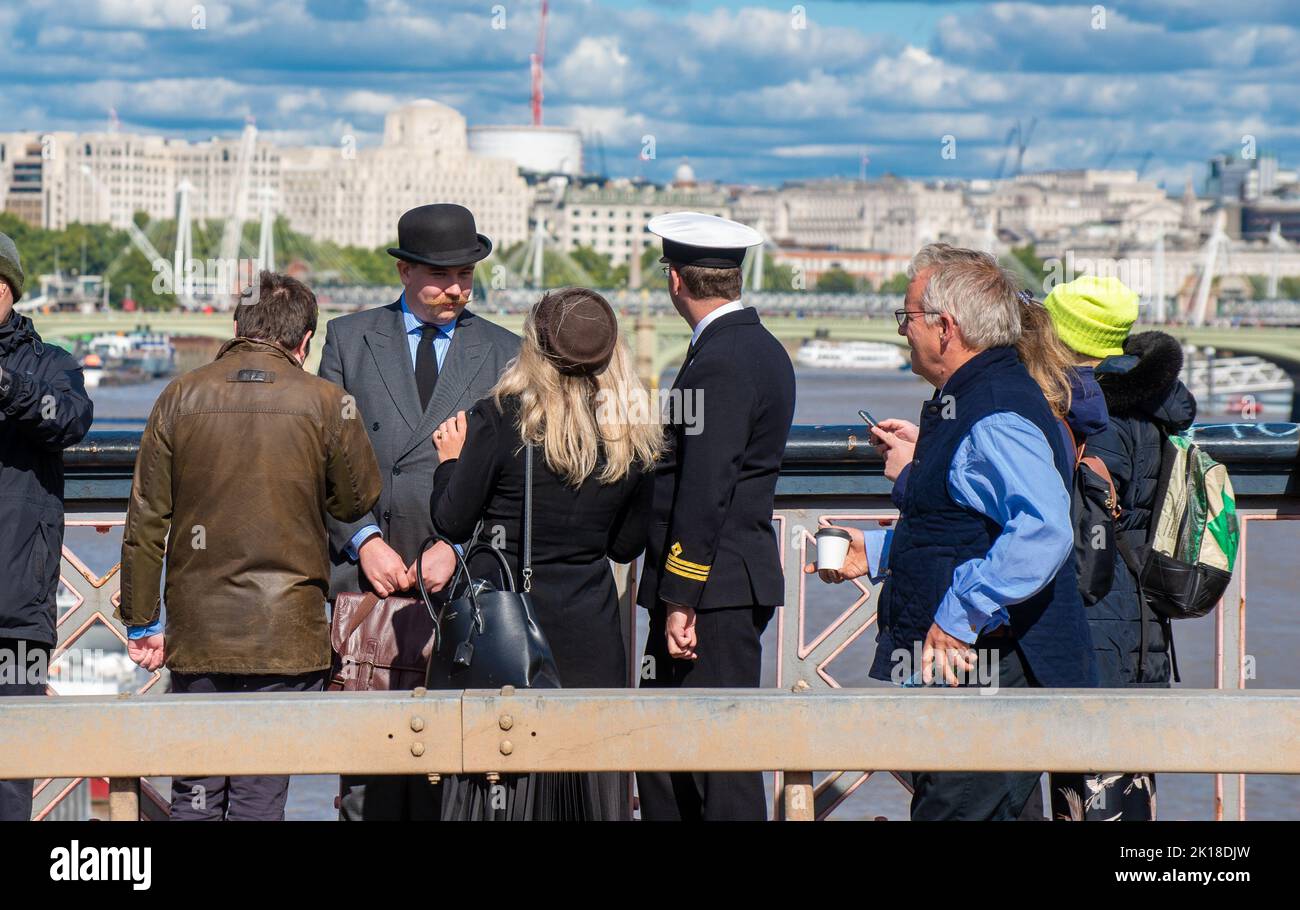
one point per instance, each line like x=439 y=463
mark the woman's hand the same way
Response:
x=449 y=438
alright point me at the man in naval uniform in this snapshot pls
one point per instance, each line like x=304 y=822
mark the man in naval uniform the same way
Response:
x=712 y=576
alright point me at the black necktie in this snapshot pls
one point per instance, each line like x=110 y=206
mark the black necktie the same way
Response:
x=426 y=365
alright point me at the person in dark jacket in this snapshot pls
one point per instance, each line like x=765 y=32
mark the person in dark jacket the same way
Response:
x=43 y=410
x=979 y=584
x=240 y=463
x=1146 y=401
x=712 y=579
x=574 y=395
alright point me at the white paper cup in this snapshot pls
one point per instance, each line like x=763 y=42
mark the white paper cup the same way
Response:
x=832 y=548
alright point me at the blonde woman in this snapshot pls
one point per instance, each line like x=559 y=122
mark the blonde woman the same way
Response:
x=573 y=393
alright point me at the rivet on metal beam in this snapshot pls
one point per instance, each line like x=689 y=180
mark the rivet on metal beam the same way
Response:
x=417 y=749
x=506 y=721
x=507 y=747
x=417 y=724
x=507 y=690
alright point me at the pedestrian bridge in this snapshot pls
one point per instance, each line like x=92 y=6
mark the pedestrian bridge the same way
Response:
x=806 y=723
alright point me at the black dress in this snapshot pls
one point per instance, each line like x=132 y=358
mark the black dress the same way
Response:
x=576 y=532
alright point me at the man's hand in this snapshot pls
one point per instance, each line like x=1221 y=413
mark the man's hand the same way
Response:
x=384 y=569
x=438 y=565
x=903 y=429
x=855 y=562
x=896 y=446
x=148 y=652
x=946 y=651
x=680 y=632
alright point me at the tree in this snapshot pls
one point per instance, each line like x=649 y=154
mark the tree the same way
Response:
x=836 y=280
x=896 y=285
x=1028 y=258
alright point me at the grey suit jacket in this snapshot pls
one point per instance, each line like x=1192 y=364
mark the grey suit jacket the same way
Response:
x=367 y=353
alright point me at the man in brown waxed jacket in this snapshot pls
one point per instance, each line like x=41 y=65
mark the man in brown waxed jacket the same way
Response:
x=240 y=462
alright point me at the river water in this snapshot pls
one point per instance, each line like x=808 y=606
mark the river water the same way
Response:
x=833 y=397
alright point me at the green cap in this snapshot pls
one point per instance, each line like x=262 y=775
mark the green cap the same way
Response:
x=1093 y=315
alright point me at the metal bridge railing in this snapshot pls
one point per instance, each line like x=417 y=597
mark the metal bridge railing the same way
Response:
x=808 y=723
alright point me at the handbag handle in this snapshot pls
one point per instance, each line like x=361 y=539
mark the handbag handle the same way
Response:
x=527 y=556
x=506 y=574
x=461 y=566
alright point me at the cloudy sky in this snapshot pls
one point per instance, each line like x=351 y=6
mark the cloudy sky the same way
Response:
x=748 y=90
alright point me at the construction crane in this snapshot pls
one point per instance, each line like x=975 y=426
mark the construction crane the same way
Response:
x=238 y=204
x=184 y=243
x=1146 y=160
x=537 y=61
x=1218 y=238
x=156 y=259
x=266 y=237
x=1110 y=155
x=1278 y=244
x=1021 y=138
x=1022 y=143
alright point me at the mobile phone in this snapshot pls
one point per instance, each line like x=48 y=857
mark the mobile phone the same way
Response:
x=870 y=421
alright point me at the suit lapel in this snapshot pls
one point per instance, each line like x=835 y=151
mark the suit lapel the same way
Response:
x=392 y=355
x=462 y=364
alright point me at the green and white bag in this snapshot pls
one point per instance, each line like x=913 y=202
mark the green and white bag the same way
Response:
x=1194 y=534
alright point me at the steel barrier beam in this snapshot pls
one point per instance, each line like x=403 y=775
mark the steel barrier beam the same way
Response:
x=256 y=733
x=627 y=730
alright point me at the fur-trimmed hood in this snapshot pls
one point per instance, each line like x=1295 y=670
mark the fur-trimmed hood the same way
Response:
x=1144 y=381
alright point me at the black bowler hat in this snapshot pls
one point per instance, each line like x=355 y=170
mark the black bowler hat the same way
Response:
x=576 y=330
x=440 y=235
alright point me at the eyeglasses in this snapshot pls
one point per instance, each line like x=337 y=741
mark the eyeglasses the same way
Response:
x=903 y=315
x=666 y=270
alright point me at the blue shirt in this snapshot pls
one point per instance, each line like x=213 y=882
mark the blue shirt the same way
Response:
x=441 y=344
x=1004 y=470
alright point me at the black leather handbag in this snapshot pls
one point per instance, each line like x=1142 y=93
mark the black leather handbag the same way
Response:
x=488 y=637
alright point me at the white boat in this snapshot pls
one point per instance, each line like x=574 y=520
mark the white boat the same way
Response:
x=92 y=370
x=850 y=355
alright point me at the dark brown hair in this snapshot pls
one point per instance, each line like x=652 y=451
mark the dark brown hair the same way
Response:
x=284 y=312
x=703 y=283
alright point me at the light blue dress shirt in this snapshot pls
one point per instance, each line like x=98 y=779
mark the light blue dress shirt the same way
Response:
x=441 y=344
x=1003 y=469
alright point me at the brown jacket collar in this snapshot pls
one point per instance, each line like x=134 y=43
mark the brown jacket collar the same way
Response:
x=255 y=346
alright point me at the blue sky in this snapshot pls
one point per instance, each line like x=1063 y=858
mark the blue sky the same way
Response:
x=748 y=90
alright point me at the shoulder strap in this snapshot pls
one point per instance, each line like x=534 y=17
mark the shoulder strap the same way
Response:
x=527 y=555
x=367 y=606
x=1099 y=468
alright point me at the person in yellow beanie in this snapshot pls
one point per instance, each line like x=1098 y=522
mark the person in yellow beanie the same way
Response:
x=1137 y=377
x=1093 y=315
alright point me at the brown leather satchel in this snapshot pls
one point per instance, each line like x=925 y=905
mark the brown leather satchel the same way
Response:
x=379 y=643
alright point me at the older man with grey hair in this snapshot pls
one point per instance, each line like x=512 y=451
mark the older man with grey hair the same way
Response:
x=979 y=584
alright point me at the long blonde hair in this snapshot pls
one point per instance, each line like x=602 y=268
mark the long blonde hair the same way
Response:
x=576 y=419
x=1045 y=356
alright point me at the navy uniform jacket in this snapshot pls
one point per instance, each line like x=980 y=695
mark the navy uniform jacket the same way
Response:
x=711 y=541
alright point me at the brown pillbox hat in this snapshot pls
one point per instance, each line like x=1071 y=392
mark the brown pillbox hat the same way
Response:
x=577 y=330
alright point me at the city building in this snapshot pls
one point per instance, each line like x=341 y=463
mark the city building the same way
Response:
x=612 y=218
x=343 y=194
x=354 y=197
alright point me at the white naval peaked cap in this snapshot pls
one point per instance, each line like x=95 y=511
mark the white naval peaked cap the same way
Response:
x=694 y=238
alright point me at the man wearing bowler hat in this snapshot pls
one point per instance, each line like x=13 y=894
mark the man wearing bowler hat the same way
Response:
x=409 y=366
x=712 y=578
